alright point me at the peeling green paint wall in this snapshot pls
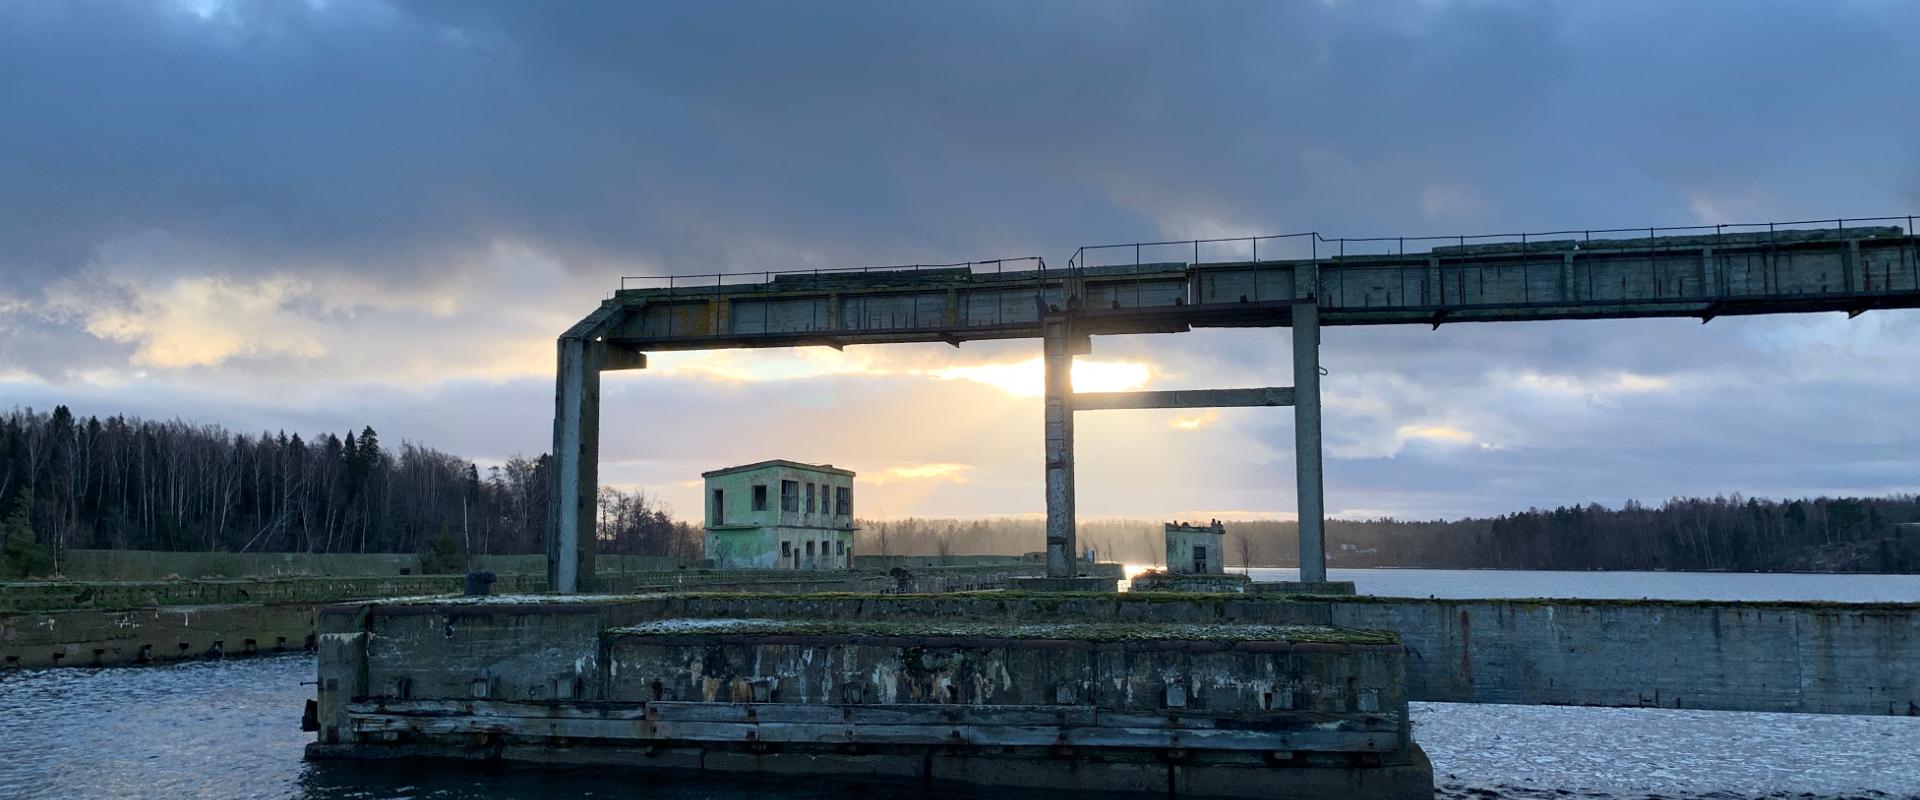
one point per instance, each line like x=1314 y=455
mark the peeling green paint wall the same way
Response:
x=817 y=532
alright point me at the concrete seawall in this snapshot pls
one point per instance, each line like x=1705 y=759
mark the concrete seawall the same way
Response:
x=1794 y=657
x=143 y=565
x=109 y=623
x=1789 y=657
x=140 y=565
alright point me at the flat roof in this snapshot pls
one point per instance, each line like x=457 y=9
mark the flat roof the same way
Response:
x=779 y=462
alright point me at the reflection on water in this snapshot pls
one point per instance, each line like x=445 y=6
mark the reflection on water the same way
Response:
x=221 y=730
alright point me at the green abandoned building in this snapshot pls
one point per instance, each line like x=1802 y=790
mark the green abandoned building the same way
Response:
x=780 y=514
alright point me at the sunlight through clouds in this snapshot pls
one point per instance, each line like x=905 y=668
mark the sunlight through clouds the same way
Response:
x=947 y=473
x=1195 y=422
x=1024 y=378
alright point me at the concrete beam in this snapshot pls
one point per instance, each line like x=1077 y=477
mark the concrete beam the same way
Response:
x=583 y=353
x=576 y=465
x=1264 y=396
x=1788 y=271
x=1306 y=442
x=1058 y=348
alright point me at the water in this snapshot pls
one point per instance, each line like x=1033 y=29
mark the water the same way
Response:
x=230 y=729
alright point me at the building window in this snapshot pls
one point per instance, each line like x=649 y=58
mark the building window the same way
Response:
x=719 y=507
x=759 y=497
x=809 y=549
x=843 y=501
x=786 y=549
x=809 y=498
x=789 y=495
x=840 y=547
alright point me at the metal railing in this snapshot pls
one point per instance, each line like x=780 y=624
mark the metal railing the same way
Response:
x=1411 y=288
x=702 y=281
x=1314 y=247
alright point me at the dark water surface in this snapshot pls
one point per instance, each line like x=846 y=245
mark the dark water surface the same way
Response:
x=231 y=730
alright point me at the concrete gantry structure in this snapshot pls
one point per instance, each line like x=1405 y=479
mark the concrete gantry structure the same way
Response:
x=1304 y=281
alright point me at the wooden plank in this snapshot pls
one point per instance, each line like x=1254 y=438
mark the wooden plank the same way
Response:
x=501 y=708
x=1011 y=735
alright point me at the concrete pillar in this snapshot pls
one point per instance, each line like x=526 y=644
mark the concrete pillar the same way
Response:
x=1057 y=347
x=1306 y=444
x=576 y=466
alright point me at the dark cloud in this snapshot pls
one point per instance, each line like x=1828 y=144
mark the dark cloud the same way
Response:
x=352 y=173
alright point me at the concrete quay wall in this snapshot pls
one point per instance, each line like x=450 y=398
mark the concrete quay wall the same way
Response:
x=97 y=638
x=1791 y=657
x=141 y=565
x=144 y=565
x=25 y=596
x=112 y=623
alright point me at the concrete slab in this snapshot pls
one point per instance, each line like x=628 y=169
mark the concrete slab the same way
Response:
x=1081 y=584
x=1302 y=587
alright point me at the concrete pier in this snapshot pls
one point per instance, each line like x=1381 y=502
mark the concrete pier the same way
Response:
x=1830 y=658
x=1219 y=710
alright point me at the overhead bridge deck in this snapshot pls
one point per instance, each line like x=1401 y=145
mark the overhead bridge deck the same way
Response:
x=1848 y=269
x=1300 y=282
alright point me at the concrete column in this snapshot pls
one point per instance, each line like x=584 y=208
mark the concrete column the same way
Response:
x=1057 y=347
x=576 y=466
x=1306 y=443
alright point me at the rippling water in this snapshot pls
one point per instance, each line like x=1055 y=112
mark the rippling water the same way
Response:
x=231 y=730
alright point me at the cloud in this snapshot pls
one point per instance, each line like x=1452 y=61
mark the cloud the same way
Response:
x=201 y=322
x=324 y=215
x=1023 y=378
x=1194 y=422
x=1435 y=433
x=948 y=473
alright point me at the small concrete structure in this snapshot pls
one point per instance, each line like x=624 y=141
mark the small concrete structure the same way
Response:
x=1196 y=562
x=780 y=515
x=1196 y=549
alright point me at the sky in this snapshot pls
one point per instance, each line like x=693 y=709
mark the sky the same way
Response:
x=316 y=216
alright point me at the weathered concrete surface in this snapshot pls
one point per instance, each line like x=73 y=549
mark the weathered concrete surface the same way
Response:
x=145 y=565
x=61 y=595
x=1793 y=657
x=1084 y=583
x=1156 y=581
x=110 y=623
x=1228 y=710
x=1302 y=587
x=1790 y=270
x=1796 y=657
x=93 y=638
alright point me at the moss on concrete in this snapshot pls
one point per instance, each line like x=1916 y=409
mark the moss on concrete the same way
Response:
x=1069 y=631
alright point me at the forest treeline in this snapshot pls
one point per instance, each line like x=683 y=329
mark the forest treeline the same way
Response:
x=128 y=483
x=1695 y=534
